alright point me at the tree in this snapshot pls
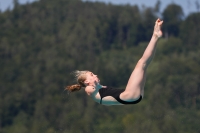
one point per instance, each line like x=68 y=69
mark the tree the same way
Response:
x=173 y=16
x=190 y=30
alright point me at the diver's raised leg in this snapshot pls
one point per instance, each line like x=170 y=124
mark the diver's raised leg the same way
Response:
x=135 y=86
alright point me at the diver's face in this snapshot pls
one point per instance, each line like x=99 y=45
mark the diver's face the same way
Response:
x=91 y=78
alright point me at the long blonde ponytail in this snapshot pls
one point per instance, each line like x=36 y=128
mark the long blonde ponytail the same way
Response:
x=73 y=88
x=80 y=77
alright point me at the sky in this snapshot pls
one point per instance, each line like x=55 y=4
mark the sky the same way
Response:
x=188 y=6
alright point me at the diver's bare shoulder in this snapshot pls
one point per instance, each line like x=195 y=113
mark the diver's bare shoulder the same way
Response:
x=89 y=90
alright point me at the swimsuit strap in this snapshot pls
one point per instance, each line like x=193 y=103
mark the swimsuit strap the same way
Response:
x=101 y=101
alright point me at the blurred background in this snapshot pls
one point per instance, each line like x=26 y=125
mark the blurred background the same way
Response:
x=43 y=41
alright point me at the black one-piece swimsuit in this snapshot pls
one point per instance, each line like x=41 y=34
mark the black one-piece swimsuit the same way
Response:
x=115 y=93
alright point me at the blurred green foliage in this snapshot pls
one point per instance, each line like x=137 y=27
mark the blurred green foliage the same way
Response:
x=42 y=42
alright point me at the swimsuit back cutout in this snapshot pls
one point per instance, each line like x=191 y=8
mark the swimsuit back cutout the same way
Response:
x=115 y=93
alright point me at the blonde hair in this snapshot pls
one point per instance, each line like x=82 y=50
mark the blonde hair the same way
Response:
x=80 y=78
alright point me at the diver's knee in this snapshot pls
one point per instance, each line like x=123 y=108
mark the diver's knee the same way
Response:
x=141 y=64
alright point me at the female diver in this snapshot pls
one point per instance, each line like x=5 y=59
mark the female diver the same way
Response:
x=134 y=90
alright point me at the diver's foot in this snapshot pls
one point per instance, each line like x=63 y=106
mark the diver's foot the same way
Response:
x=157 y=28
